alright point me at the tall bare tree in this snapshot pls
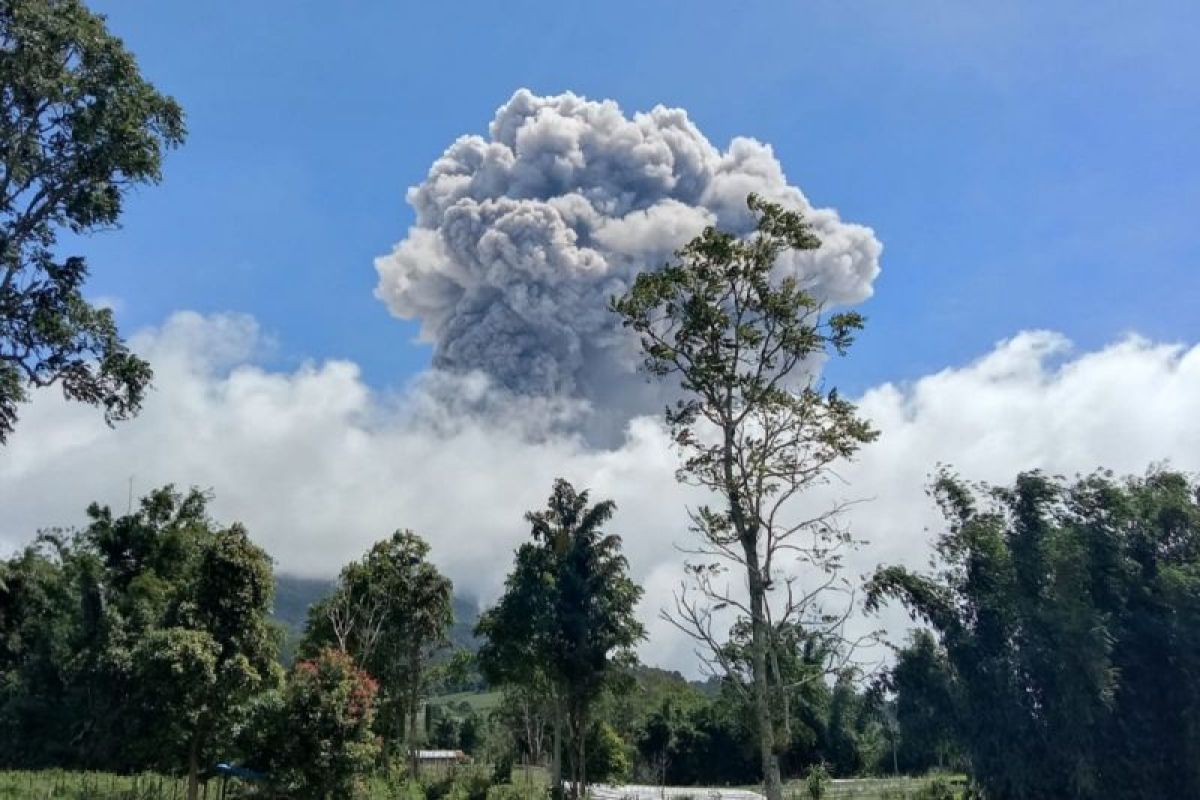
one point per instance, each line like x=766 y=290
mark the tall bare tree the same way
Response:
x=755 y=427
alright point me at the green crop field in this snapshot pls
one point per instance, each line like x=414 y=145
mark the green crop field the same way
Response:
x=478 y=701
x=94 y=786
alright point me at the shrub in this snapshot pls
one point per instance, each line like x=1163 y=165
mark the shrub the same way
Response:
x=937 y=789
x=473 y=785
x=817 y=781
x=324 y=745
x=503 y=768
x=504 y=793
x=436 y=788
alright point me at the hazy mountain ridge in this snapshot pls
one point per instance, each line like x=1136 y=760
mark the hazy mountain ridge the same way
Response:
x=294 y=594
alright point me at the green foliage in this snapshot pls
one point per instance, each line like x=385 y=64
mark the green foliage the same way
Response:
x=79 y=128
x=937 y=789
x=695 y=740
x=924 y=707
x=391 y=611
x=816 y=782
x=437 y=786
x=522 y=720
x=567 y=613
x=140 y=642
x=502 y=768
x=64 y=785
x=607 y=759
x=323 y=744
x=506 y=793
x=755 y=430
x=1070 y=618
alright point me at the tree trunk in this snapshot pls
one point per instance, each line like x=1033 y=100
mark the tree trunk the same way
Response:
x=193 y=786
x=580 y=754
x=748 y=534
x=556 y=757
x=414 y=698
x=759 y=642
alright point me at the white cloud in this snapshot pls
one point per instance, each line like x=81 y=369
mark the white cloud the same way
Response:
x=319 y=466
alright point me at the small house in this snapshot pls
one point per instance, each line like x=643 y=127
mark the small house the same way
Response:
x=437 y=762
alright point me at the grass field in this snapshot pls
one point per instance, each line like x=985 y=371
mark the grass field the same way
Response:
x=871 y=788
x=94 y=786
x=478 y=701
x=59 y=785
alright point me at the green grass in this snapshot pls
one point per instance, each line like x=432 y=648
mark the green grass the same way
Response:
x=92 y=786
x=478 y=701
x=869 y=788
x=62 y=785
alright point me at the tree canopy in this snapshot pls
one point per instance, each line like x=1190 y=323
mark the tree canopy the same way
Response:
x=138 y=642
x=390 y=611
x=79 y=128
x=755 y=427
x=1070 y=617
x=566 y=615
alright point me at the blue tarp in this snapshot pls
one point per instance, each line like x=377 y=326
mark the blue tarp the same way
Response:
x=234 y=771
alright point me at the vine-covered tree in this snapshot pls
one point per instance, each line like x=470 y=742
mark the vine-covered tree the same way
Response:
x=79 y=127
x=566 y=617
x=756 y=428
x=1070 y=617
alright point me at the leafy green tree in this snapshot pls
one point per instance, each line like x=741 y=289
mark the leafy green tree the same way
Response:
x=40 y=633
x=323 y=741
x=756 y=429
x=1070 y=618
x=841 y=739
x=566 y=617
x=391 y=612
x=79 y=128
x=607 y=759
x=139 y=642
x=924 y=706
x=217 y=651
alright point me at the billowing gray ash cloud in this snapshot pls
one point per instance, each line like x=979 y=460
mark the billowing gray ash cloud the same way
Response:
x=521 y=237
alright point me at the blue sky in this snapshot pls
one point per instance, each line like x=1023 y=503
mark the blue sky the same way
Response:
x=1026 y=165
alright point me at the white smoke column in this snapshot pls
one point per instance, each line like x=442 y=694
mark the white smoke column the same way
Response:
x=522 y=237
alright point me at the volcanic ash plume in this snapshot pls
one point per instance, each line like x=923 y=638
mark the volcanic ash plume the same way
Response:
x=521 y=238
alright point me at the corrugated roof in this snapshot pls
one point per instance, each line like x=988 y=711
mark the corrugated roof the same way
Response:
x=434 y=755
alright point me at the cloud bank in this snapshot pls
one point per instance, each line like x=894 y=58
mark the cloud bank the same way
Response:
x=319 y=466
x=522 y=236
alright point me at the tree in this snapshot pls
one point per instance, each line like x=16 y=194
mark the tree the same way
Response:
x=1069 y=614
x=525 y=711
x=79 y=128
x=204 y=647
x=391 y=612
x=136 y=643
x=227 y=608
x=924 y=706
x=566 y=617
x=755 y=428
x=323 y=741
x=607 y=761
